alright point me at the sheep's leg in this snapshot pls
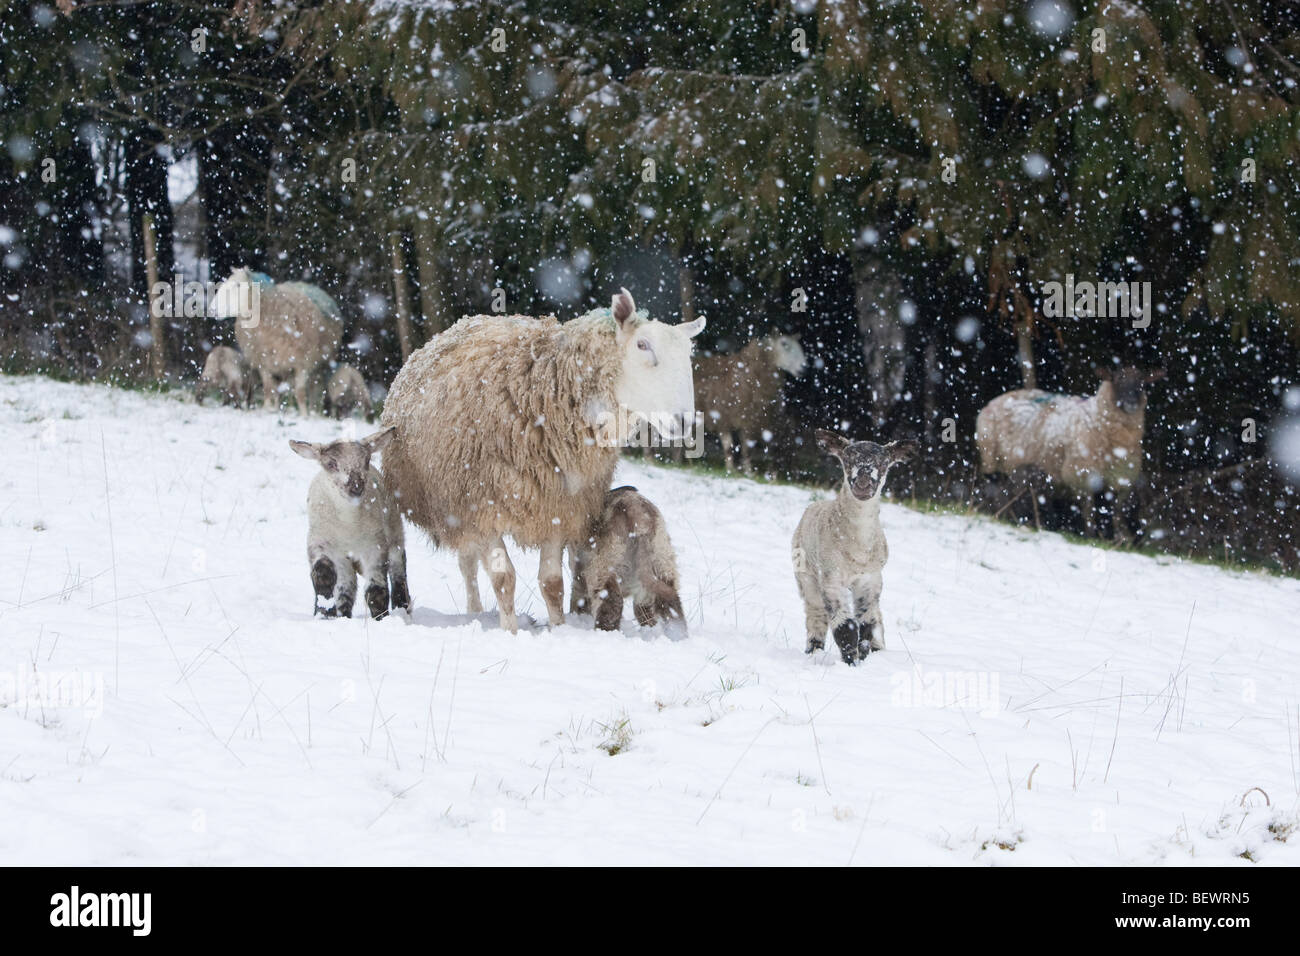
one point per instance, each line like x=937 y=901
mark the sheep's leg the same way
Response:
x=728 y=455
x=550 y=577
x=746 y=459
x=401 y=594
x=300 y=377
x=268 y=390
x=502 y=573
x=579 y=600
x=609 y=605
x=669 y=610
x=1087 y=501
x=468 y=558
x=1119 y=516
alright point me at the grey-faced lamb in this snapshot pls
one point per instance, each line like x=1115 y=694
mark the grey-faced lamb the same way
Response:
x=348 y=393
x=1083 y=444
x=628 y=554
x=285 y=330
x=226 y=374
x=354 y=527
x=839 y=549
x=741 y=392
x=511 y=425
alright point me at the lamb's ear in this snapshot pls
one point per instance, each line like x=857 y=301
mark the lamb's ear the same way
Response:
x=1155 y=375
x=692 y=329
x=622 y=306
x=306 y=449
x=380 y=439
x=831 y=442
x=903 y=450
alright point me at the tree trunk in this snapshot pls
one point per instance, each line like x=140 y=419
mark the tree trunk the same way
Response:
x=1025 y=352
x=884 y=340
x=433 y=304
x=403 y=296
x=686 y=278
x=146 y=193
x=157 y=334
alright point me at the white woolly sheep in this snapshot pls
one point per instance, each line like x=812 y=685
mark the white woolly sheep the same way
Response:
x=628 y=554
x=741 y=392
x=226 y=374
x=511 y=425
x=288 y=329
x=354 y=527
x=1084 y=444
x=840 y=550
x=348 y=393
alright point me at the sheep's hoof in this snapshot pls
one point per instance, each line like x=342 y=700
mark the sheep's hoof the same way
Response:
x=343 y=604
x=401 y=596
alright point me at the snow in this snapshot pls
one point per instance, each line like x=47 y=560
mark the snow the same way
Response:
x=167 y=698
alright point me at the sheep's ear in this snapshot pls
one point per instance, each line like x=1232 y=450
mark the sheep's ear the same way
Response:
x=692 y=329
x=903 y=450
x=831 y=442
x=1103 y=372
x=306 y=449
x=622 y=306
x=380 y=439
x=1155 y=375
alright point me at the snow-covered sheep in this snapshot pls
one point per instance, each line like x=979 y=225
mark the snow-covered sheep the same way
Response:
x=226 y=374
x=741 y=392
x=348 y=393
x=285 y=330
x=628 y=553
x=1083 y=444
x=354 y=527
x=839 y=549
x=511 y=425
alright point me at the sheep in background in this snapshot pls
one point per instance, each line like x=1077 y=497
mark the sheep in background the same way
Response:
x=288 y=329
x=628 y=554
x=347 y=393
x=839 y=549
x=226 y=373
x=354 y=527
x=511 y=425
x=1084 y=444
x=741 y=392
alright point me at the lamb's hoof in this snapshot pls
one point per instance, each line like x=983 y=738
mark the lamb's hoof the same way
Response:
x=814 y=646
x=377 y=601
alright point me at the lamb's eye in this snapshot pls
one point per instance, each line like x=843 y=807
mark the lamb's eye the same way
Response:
x=331 y=466
x=643 y=345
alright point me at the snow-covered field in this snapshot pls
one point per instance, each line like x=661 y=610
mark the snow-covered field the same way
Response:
x=167 y=698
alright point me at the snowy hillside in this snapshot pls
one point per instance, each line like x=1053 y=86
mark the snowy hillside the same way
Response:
x=167 y=698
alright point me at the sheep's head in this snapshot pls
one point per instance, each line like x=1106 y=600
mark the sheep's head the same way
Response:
x=865 y=463
x=788 y=354
x=347 y=463
x=233 y=297
x=1127 y=383
x=655 y=381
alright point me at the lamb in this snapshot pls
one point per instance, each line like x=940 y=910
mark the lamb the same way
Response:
x=284 y=329
x=226 y=373
x=1084 y=444
x=347 y=393
x=354 y=527
x=511 y=425
x=628 y=553
x=741 y=392
x=839 y=549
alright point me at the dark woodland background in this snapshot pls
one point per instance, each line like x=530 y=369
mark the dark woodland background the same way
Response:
x=796 y=146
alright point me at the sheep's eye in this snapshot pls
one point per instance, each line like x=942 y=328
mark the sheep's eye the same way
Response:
x=643 y=345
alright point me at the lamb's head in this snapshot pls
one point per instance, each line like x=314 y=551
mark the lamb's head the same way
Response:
x=787 y=354
x=1127 y=386
x=865 y=463
x=346 y=463
x=655 y=381
x=233 y=298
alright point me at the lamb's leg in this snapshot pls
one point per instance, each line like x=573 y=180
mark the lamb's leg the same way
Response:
x=817 y=619
x=550 y=577
x=668 y=607
x=579 y=600
x=377 y=590
x=609 y=605
x=323 y=579
x=728 y=456
x=468 y=558
x=1087 y=501
x=866 y=610
x=746 y=459
x=502 y=573
x=401 y=595
x=345 y=592
x=1119 y=516
x=645 y=614
x=268 y=390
